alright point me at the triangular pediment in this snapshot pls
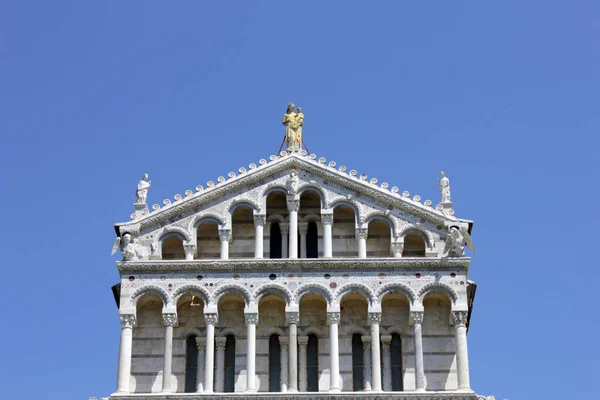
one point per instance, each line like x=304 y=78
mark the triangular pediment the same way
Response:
x=292 y=173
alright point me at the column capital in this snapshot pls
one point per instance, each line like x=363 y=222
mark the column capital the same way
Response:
x=375 y=317
x=417 y=317
x=260 y=219
x=225 y=235
x=293 y=317
x=362 y=233
x=220 y=343
x=386 y=340
x=366 y=340
x=333 y=317
x=303 y=227
x=284 y=227
x=303 y=341
x=327 y=219
x=284 y=341
x=170 y=319
x=127 y=320
x=211 y=319
x=293 y=204
x=200 y=342
x=251 y=318
x=460 y=318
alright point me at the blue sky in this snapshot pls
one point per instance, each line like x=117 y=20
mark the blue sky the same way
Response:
x=501 y=95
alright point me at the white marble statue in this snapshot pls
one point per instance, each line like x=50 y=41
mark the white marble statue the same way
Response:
x=292 y=182
x=127 y=246
x=444 y=184
x=456 y=241
x=142 y=190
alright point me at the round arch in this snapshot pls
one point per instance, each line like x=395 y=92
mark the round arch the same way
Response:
x=349 y=204
x=378 y=216
x=419 y=231
x=232 y=289
x=397 y=287
x=274 y=331
x=313 y=288
x=307 y=187
x=243 y=203
x=150 y=290
x=438 y=287
x=273 y=288
x=357 y=288
x=277 y=187
x=191 y=289
x=170 y=231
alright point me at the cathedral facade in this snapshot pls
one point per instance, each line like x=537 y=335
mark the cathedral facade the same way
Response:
x=294 y=276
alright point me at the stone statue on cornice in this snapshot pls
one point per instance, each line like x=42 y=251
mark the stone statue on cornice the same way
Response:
x=444 y=185
x=293 y=122
x=142 y=190
x=127 y=246
x=456 y=240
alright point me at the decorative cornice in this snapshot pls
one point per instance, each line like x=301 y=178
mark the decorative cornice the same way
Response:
x=280 y=164
x=290 y=264
x=304 y=396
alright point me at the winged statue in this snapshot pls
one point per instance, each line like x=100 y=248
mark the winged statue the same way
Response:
x=127 y=247
x=456 y=241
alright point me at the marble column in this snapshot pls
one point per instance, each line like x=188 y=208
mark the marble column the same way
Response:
x=220 y=343
x=251 y=321
x=124 y=374
x=189 y=250
x=420 y=381
x=367 y=361
x=334 y=353
x=386 y=342
x=293 y=206
x=284 y=239
x=375 y=351
x=170 y=320
x=303 y=229
x=397 y=247
x=200 y=345
x=209 y=358
x=259 y=223
x=361 y=235
x=283 y=344
x=327 y=221
x=293 y=318
x=225 y=236
x=462 y=354
x=303 y=344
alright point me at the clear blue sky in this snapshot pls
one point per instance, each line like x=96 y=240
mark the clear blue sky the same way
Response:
x=503 y=96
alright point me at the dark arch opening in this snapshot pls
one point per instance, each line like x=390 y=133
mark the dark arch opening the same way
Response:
x=358 y=365
x=312 y=364
x=229 y=364
x=414 y=246
x=191 y=365
x=275 y=241
x=274 y=364
x=312 y=241
x=396 y=358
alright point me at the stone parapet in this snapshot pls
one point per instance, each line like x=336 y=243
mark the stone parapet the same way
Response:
x=311 y=396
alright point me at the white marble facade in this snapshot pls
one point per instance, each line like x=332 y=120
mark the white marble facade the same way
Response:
x=293 y=247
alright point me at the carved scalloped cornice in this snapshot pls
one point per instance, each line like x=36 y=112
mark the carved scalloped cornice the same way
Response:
x=290 y=264
x=290 y=161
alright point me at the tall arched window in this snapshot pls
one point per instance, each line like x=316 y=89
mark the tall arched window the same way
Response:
x=229 y=364
x=191 y=365
x=312 y=241
x=396 y=353
x=275 y=241
x=312 y=364
x=357 y=363
x=274 y=364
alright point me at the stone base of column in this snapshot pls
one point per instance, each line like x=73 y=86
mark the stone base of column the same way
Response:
x=335 y=391
x=250 y=391
x=292 y=390
x=465 y=390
